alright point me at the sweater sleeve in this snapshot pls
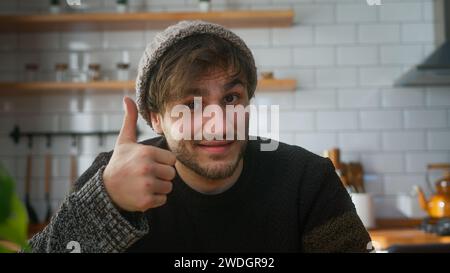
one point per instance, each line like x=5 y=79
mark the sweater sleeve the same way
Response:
x=88 y=221
x=331 y=223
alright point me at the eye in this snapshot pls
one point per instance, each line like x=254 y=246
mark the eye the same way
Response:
x=192 y=105
x=230 y=99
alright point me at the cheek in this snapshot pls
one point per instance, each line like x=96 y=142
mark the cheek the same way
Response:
x=170 y=124
x=173 y=143
x=186 y=126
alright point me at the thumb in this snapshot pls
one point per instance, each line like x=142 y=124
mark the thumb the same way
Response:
x=128 y=132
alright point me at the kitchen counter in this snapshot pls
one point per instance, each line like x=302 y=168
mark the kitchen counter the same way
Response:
x=384 y=238
x=381 y=238
x=388 y=233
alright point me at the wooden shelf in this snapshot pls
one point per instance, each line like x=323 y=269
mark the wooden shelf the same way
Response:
x=65 y=86
x=277 y=85
x=14 y=88
x=142 y=20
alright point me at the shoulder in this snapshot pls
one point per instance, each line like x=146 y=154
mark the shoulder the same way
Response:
x=292 y=156
x=297 y=169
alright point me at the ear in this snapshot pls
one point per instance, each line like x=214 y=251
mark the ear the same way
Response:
x=156 y=120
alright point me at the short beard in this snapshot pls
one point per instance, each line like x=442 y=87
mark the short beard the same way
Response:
x=190 y=161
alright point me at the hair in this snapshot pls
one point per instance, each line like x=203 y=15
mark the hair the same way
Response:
x=191 y=58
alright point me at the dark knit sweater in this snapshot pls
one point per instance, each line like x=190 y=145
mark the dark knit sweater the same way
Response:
x=287 y=200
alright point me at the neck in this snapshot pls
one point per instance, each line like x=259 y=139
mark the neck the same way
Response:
x=205 y=185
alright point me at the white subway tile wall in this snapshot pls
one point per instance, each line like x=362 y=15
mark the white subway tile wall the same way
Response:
x=401 y=12
x=403 y=141
x=381 y=119
x=345 y=56
x=357 y=55
x=360 y=141
x=401 y=54
x=337 y=120
x=416 y=162
x=358 y=98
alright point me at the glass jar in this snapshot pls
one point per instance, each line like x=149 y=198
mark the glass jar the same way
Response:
x=77 y=70
x=61 y=72
x=94 y=72
x=31 y=71
x=121 y=6
x=123 y=72
x=55 y=7
x=204 y=5
x=267 y=75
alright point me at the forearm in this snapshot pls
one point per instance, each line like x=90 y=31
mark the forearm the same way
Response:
x=344 y=233
x=89 y=218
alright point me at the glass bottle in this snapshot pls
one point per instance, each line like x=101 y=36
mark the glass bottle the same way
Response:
x=123 y=67
x=61 y=72
x=78 y=68
x=31 y=70
x=123 y=72
x=94 y=72
x=55 y=7
x=204 y=5
x=122 y=6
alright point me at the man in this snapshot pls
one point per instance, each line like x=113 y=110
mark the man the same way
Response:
x=168 y=194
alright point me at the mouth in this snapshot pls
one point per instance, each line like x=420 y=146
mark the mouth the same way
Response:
x=215 y=146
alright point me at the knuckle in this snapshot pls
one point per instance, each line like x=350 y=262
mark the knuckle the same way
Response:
x=146 y=169
x=147 y=152
x=149 y=185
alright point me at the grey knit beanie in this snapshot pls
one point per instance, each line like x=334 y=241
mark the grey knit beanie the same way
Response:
x=167 y=38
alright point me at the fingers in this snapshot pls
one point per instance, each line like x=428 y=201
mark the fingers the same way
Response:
x=158 y=200
x=159 y=186
x=128 y=131
x=164 y=172
x=163 y=156
x=150 y=201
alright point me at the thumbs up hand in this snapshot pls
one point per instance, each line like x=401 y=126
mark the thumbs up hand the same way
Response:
x=137 y=177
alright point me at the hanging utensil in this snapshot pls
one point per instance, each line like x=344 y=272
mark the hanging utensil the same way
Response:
x=32 y=216
x=342 y=169
x=73 y=162
x=48 y=177
x=355 y=175
x=359 y=178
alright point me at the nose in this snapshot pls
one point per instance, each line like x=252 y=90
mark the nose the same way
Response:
x=214 y=122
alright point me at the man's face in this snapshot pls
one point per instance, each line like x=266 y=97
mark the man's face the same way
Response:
x=212 y=159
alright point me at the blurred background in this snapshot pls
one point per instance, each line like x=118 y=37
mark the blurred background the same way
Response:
x=343 y=72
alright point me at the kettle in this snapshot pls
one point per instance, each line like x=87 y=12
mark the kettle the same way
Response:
x=438 y=205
